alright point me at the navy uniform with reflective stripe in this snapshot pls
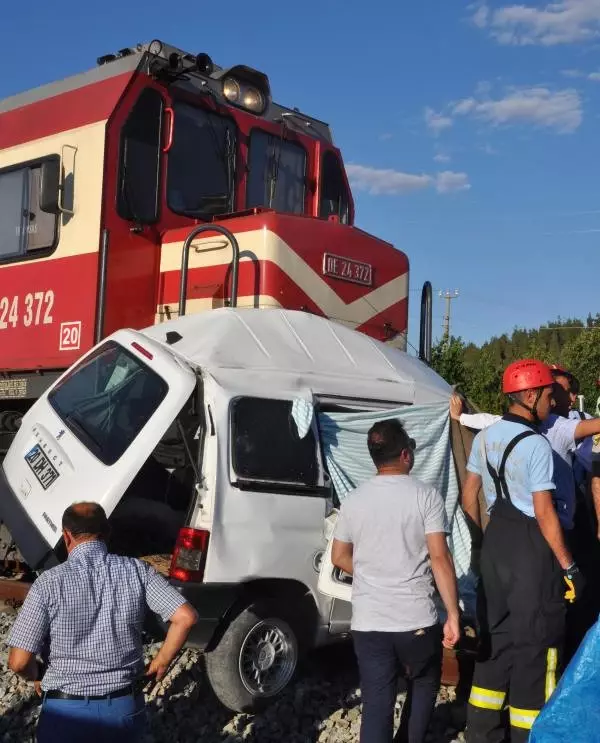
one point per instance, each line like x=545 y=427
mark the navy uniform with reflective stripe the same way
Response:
x=523 y=606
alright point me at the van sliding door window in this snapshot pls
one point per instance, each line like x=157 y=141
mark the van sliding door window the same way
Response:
x=107 y=399
x=139 y=167
x=266 y=446
x=24 y=227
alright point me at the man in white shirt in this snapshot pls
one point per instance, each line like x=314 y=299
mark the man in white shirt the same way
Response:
x=582 y=460
x=391 y=536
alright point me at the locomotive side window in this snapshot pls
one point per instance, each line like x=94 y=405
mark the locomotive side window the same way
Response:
x=139 y=168
x=24 y=227
x=334 y=194
x=277 y=177
x=201 y=163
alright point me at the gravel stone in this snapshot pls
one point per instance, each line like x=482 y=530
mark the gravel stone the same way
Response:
x=322 y=706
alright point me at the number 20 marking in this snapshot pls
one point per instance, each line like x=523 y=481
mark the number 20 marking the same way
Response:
x=70 y=336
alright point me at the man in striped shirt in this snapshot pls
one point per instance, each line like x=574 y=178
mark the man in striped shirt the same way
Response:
x=90 y=612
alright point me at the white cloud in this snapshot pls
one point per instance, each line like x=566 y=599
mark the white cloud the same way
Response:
x=489 y=150
x=560 y=110
x=385 y=137
x=463 y=107
x=380 y=181
x=436 y=122
x=441 y=158
x=450 y=182
x=558 y=22
x=384 y=181
x=481 y=16
x=593 y=76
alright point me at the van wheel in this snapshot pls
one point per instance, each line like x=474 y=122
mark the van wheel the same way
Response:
x=255 y=659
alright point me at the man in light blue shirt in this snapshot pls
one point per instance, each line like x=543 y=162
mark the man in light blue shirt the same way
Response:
x=562 y=432
x=529 y=470
x=524 y=560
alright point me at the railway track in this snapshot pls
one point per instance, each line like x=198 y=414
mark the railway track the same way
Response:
x=13 y=591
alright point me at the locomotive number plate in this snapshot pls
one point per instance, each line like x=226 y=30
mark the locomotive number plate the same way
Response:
x=347 y=269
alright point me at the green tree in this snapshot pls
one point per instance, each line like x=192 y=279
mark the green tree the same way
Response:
x=447 y=358
x=484 y=385
x=571 y=343
x=582 y=356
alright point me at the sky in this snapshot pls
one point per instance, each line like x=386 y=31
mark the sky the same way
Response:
x=469 y=130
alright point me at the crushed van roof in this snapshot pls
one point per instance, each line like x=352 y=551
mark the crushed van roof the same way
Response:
x=305 y=349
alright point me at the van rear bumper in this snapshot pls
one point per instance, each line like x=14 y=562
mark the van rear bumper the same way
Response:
x=36 y=551
x=211 y=602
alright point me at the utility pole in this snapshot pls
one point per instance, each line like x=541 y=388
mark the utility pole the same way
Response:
x=448 y=296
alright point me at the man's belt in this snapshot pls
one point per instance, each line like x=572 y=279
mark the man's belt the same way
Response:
x=124 y=692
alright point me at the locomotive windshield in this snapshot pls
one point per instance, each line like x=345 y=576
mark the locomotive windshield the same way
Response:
x=201 y=162
x=277 y=177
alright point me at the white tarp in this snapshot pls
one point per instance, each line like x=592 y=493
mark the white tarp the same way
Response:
x=344 y=438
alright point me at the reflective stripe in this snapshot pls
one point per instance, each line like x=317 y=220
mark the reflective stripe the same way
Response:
x=523 y=718
x=487 y=698
x=551 y=664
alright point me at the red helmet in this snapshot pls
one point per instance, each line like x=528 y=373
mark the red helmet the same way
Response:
x=526 y=374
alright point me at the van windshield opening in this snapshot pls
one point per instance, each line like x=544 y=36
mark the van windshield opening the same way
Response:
x=107 y=399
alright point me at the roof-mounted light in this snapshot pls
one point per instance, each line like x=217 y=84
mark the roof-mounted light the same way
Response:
x=155 y=47
x=175 y=62
x=106 y=59
x=244 y=95
x=204 y=64
x=232 y=90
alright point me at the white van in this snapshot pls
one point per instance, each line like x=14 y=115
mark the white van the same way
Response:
x=184 y=433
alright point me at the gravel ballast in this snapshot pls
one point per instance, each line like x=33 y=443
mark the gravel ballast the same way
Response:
x=321 y=706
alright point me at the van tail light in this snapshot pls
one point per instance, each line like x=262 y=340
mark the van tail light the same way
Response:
x=189 y=556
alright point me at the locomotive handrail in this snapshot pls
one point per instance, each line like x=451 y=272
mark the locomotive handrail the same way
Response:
x=185 y=260
x=102 y=271
x=425 y=330
x=61 y=192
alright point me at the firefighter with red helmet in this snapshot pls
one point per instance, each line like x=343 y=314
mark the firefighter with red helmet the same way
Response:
x=525 y=563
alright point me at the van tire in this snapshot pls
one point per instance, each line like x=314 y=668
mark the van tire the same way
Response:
x=262 y=634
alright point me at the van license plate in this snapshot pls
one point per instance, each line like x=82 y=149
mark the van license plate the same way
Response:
x=41 y=467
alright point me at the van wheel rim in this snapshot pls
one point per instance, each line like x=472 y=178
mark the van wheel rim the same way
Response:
x=268 y=657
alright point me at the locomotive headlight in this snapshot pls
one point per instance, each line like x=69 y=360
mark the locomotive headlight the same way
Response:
x=232 y=90
x=253 y=99
x=244 y=95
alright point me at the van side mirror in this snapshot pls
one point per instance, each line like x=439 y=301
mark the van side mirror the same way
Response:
x=50 y=186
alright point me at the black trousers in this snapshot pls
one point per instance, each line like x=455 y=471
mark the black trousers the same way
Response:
x=384 y=657
x=523 y=627
x=585 y=548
